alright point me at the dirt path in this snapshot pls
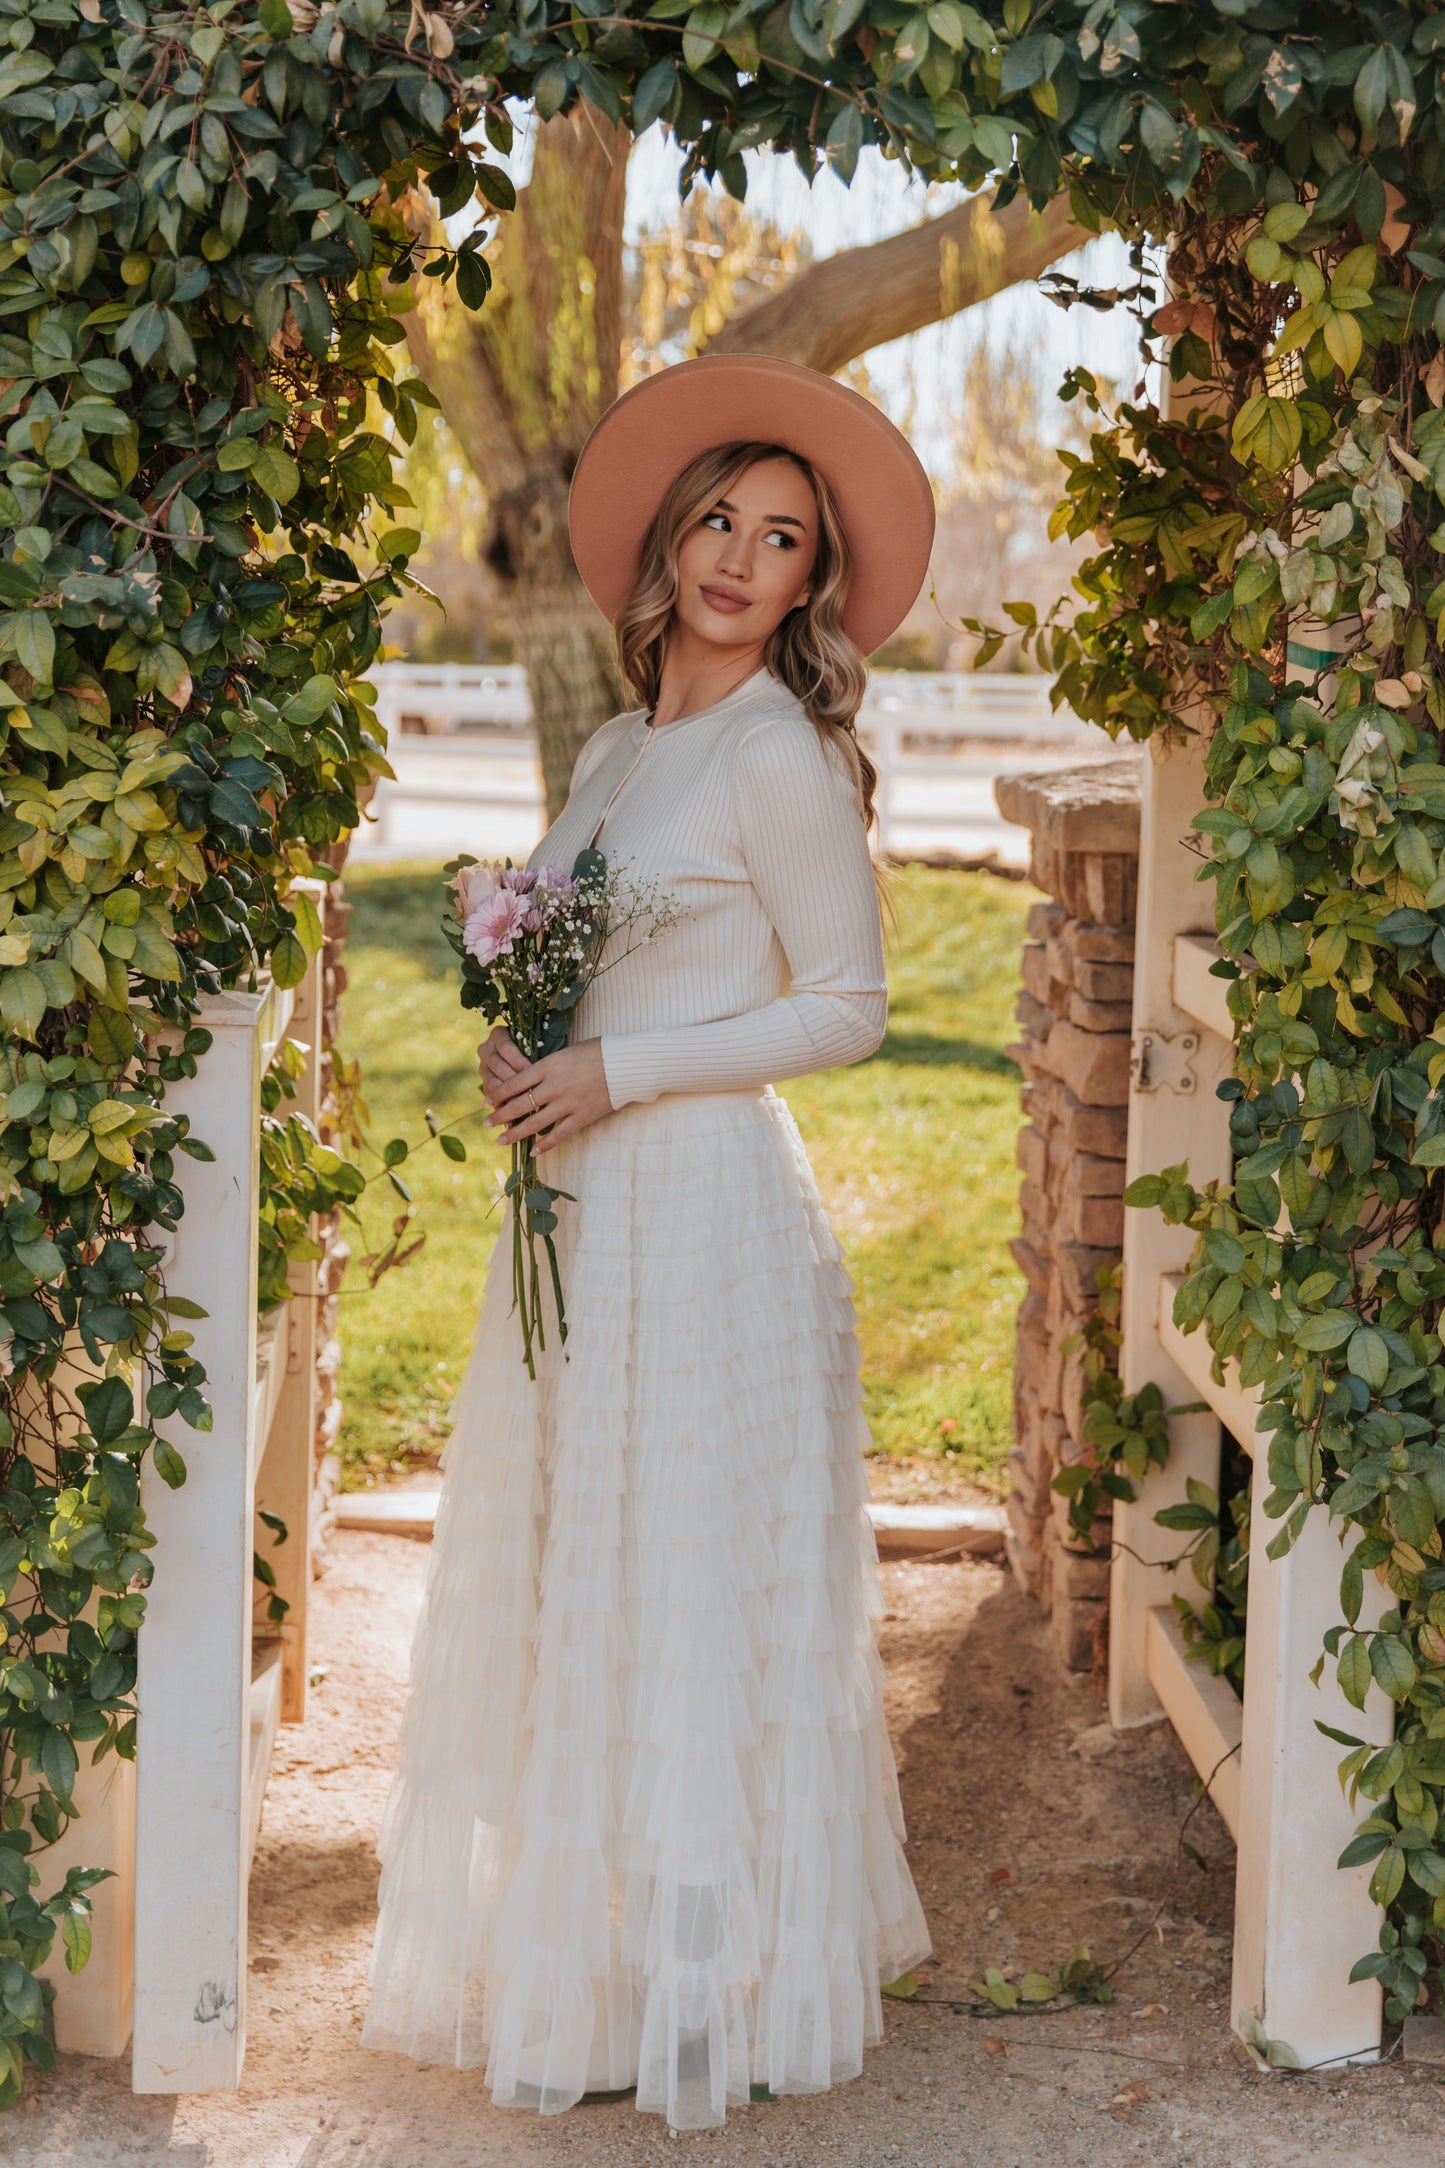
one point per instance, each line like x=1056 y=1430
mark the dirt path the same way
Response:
x=1030 y=1830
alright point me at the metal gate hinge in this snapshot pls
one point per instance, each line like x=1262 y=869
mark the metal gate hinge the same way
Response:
x=1155 y=1059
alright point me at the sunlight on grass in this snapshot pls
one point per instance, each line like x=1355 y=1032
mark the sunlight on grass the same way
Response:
x=914 y=1152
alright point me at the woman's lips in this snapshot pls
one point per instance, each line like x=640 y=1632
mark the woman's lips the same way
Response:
x=722 y=599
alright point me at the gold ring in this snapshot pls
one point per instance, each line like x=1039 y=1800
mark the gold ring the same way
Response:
x=531 y=1094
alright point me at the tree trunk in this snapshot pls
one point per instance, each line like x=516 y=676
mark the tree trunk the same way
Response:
x=559 y=636
x=520 y=385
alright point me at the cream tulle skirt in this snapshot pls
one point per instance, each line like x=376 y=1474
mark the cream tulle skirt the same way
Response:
x=645 y=1827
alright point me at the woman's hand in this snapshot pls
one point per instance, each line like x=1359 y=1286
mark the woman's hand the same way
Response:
x=498 y=1059
x=559 y=1095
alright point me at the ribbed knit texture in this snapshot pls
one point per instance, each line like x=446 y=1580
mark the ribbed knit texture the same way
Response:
x=741 y=813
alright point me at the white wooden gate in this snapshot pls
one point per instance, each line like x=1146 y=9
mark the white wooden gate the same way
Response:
x=1300 y=1922
x=179 y=1826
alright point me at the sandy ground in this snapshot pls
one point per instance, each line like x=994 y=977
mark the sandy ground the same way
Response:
x=1030 y=1828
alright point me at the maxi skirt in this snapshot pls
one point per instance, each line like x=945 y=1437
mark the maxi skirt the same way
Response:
x=645 y=1827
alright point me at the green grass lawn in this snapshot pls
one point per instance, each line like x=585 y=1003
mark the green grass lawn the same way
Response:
x=914 y=1151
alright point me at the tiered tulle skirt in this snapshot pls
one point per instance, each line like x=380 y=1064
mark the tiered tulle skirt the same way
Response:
x=645 y=1827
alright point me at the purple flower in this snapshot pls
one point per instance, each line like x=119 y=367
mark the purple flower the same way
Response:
x=519 y=880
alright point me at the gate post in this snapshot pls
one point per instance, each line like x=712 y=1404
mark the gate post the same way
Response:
x=1299 y=1921
x=193 y=1687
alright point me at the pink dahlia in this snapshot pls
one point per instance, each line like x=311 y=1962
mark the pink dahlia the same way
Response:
x=492 y=928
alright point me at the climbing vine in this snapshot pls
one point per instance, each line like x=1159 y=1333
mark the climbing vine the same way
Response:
x=205 y=235
x=1272 y=573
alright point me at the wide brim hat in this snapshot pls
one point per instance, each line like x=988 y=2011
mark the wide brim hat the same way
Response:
x=646 y=437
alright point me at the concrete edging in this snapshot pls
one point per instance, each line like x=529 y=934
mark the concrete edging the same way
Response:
x=918 y=1531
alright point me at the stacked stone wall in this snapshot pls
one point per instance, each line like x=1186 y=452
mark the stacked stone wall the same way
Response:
x=1074 y=1013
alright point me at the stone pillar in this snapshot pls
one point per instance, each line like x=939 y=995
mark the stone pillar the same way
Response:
x=1074 y=1013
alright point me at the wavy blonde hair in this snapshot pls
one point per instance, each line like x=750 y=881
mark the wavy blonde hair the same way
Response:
x=808 y=650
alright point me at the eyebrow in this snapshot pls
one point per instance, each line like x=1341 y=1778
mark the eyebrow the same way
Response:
x=775 y=519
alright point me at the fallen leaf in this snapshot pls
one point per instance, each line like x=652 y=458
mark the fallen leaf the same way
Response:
x=1128 y=2097
x=903 y=1989
x=1155 y=2009
x=1001 y=1874
x=996 y=2046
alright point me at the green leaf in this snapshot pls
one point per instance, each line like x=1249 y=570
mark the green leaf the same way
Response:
x=35 y=646
x=277 y=472
x=1392 y=1665
x=498 y=187
x=1368 y=1357
x=153 y=955
x=110 y=1035
x=1344 y=341
x=169 y=1465
x=845 y=140
x=109 y=1408
x=1327 y=1330
x=23 y=1000
x=58 y=1762
x=75 y=1933
x=653 y=94
x=308 y=922
x=1353 y=1670
x=1267 y=430
x=289 y=960
x=1388 y=1876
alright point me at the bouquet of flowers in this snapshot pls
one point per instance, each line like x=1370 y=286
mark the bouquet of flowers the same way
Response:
x=531 y=943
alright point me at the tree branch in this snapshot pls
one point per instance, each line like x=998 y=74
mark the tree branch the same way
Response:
x=862 y=297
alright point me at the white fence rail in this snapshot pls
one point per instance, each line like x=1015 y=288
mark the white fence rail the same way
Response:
x=468 y=776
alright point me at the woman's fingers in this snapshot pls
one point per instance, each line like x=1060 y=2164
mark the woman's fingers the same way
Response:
x=530 y=1125
x=512 y=1091
x=499 y=1057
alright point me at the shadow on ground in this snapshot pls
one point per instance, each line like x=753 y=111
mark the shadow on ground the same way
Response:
x=1030 y=1830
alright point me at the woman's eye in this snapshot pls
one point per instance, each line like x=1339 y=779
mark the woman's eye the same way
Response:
x=709 y=517
x=789 y=541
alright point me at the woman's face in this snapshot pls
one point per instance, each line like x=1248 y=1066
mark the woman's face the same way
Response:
x=748 y=561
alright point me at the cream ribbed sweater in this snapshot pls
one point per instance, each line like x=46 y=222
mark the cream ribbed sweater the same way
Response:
x=741 y=814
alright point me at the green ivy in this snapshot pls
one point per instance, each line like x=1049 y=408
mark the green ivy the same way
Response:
x=203 y=244
x=301 y=1179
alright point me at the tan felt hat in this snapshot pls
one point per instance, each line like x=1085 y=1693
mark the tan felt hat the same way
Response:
x=648 y=435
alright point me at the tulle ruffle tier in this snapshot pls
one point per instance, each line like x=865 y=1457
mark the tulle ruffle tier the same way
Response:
x=645 y=1826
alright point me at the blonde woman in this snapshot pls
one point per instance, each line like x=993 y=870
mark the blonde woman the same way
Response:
x=645 y=1830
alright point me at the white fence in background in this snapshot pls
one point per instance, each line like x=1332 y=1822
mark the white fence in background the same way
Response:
x=426 y=698
x=468 y=777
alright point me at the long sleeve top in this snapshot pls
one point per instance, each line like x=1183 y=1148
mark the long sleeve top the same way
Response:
x=744 y=816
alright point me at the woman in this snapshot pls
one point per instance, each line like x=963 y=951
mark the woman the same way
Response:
x=645 y=1829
